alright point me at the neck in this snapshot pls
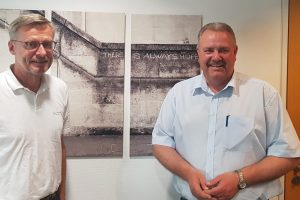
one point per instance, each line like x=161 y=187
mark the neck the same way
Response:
x=217 y=84
x=215 y=89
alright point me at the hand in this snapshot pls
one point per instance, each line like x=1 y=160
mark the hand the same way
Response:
x=224 y=186
x=198 y=187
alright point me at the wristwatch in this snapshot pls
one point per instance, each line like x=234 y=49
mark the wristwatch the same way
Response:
x=242 y=182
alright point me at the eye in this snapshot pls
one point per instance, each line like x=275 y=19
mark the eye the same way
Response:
x=31 y=44
x=48 y=44
x=223 y=50
x=208 y=51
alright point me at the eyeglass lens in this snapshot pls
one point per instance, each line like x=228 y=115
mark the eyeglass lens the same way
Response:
x=36 y=44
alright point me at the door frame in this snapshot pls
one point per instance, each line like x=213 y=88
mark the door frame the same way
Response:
x=293 y=62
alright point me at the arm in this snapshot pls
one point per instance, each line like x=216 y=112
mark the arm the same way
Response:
x=267 y=169
x=282 y=146
x=62 y=187
x=170 y=159
x=66 y=129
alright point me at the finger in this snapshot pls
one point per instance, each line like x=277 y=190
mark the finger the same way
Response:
x=216 y=191
x=199 y=193
x=204 y=186
x=202 y=194
x=214 y=182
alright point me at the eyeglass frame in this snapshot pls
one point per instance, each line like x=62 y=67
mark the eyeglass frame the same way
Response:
x=26 y=44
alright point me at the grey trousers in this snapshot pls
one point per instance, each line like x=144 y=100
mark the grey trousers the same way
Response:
x=53 y=196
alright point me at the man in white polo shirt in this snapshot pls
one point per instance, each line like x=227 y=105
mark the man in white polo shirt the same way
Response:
x=34 y=114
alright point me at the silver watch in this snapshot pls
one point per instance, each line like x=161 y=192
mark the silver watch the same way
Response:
x=242 y=182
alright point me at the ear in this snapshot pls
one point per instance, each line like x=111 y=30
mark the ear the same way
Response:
x=11 y=47
x=236 y=50
x=198 y=51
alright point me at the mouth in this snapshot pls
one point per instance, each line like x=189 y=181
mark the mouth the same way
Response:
x=39 y=61
x=220 y=64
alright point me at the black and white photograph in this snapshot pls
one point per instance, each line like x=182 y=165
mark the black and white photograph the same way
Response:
x=163 y=52
x=90 y=59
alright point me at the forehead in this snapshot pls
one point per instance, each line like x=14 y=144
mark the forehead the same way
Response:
x=210 y=37
x=35 y=30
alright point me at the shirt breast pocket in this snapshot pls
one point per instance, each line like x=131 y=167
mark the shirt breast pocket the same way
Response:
x=238 y=134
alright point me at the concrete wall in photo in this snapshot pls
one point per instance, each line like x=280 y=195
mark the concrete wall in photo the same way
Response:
x=164 y=55
x=94 y=72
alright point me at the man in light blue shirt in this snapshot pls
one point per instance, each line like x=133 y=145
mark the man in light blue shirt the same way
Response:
x=223 y=134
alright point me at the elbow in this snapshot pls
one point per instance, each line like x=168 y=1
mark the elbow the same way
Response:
x=155 y=150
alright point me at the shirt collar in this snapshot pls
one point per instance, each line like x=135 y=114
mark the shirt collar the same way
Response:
x=14 y=84
x=201 y=86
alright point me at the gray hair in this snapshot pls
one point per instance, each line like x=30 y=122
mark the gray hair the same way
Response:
x=217 y=26
x=28 y=19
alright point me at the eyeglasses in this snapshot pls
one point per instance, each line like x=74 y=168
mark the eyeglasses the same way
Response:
x=34 y=45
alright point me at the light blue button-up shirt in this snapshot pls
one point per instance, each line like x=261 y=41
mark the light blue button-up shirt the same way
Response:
x=222 y=132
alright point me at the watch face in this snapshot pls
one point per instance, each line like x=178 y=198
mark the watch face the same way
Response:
x=243 y=185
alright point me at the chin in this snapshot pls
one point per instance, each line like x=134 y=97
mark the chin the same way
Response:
x=39 y=71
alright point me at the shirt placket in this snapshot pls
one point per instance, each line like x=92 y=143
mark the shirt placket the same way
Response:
x=211 y=137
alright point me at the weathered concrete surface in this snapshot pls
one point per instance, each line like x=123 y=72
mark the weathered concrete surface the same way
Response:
x=106 y=145
x=94 y=145
x=94 y=72
x=164 y=61
x=155 y=69
x=140 y=145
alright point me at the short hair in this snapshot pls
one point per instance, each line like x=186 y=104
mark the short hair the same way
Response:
x=27 y=19
x=217 y=26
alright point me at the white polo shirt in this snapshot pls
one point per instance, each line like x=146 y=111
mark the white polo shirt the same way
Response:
x=31 y=125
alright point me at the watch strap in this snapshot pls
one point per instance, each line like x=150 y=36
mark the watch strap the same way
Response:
x=242 y=182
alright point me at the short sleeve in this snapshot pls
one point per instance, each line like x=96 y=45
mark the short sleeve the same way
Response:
x=282 y=139
x=163 y=132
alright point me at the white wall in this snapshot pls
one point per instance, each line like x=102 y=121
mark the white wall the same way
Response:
x=261 y=30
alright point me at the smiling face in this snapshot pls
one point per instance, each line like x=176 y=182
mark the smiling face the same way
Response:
x=32 y=62
x=217 y=54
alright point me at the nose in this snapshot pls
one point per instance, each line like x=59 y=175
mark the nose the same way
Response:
x=41 y=50
x=216 y=55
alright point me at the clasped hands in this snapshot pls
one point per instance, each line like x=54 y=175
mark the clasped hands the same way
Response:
x=222 y=187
